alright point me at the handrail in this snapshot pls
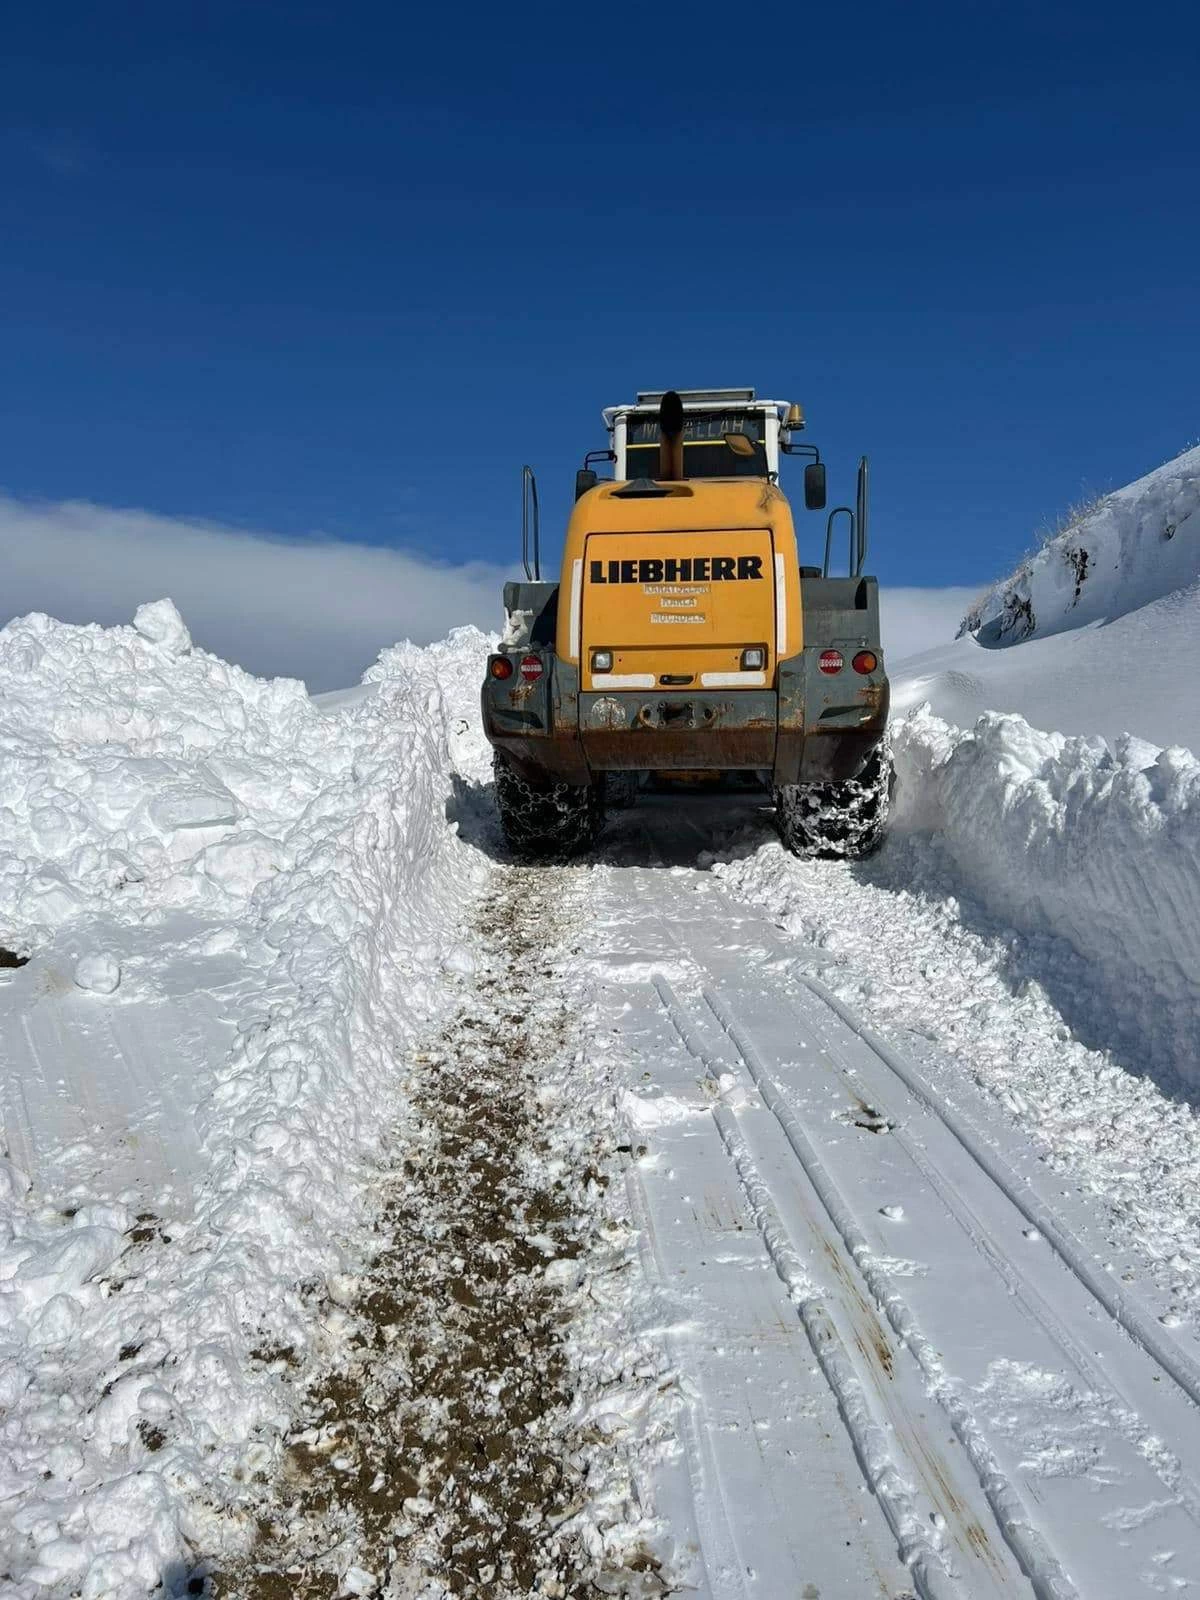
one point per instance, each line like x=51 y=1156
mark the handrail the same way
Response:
x=859 y=529
x=529 y=498
x=864 y=484
x=837 y=512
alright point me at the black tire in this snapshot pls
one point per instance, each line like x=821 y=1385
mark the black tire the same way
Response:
x=843 y=821
x=545 y=820
x=621 y=790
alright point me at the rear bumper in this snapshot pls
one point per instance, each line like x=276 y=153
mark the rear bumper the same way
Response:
x=810 y=729
x=643 y=732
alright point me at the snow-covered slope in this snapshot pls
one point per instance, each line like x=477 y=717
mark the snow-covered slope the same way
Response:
x=240 y=909
x=1099 y=632
x=1129 y=549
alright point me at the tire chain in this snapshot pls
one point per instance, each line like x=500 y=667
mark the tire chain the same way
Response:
x=558 y=819
x=844 y=820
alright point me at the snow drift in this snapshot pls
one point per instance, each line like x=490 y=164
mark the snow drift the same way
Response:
x=1098 y=847
x=149 y=1308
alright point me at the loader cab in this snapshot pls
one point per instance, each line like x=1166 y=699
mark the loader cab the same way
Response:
x=727 y=433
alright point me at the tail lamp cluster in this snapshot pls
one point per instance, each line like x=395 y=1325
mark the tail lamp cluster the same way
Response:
x=530 y=667
x=832 y=661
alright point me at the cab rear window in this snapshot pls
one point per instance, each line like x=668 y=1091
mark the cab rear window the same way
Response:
x=705 y=453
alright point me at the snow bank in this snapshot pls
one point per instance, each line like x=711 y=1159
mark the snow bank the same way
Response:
x=1096 y=846
x=144 y=1344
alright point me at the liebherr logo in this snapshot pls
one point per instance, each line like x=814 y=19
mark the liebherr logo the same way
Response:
x=677 y=569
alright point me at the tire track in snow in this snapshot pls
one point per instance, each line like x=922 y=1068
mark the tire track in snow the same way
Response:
x=1167 y=1466
x=1057 y=1440
x=1173 y=1360
x=1040 y=1565
x=918 y=1549
x=1045 y=1572
x=724 y=1565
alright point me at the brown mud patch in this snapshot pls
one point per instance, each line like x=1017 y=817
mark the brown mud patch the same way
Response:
x=437 y=1457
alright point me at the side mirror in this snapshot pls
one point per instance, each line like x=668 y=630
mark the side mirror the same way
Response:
x=585 y=479
x=814 y=486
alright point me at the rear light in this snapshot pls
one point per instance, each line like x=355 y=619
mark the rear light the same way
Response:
x=500 y=667
x=831 y=661
x=532 y=668
x=601 y=660
x=754 y=659
x=865 y=661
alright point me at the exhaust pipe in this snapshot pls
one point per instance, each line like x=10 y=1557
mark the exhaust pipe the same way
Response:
x=670 y=434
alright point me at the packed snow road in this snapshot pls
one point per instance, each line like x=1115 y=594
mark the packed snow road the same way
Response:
x=899 y=1368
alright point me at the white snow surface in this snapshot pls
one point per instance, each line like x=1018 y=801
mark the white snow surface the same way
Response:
x=239 y=909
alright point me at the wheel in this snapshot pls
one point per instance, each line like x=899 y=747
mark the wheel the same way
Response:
x=845 y=820
x=542 y=820
x=621 y=790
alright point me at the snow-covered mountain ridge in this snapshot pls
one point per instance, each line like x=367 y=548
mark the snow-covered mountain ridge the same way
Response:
x=1098 y=633
x=1130 y=548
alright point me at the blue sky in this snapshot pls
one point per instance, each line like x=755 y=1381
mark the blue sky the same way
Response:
x=343 y=269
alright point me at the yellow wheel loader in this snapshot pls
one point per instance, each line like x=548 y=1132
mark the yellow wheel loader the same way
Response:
x=684 y=636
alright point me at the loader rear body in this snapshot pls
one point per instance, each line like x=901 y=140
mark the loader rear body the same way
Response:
x=669 y=594
x=683 y=636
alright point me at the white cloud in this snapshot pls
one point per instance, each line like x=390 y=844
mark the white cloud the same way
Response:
x=315 y=609
x=912 y=620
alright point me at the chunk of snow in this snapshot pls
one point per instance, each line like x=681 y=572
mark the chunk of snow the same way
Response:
x=100 y=974
x=646 y=1111
x=193 y=805
x=65 y=1264
x=894 y=1213
x=239 y=864
x=160 y=622
x=459 y=960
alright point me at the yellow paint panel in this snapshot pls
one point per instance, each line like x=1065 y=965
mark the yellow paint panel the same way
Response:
x=712 y=510
x=677 y=604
